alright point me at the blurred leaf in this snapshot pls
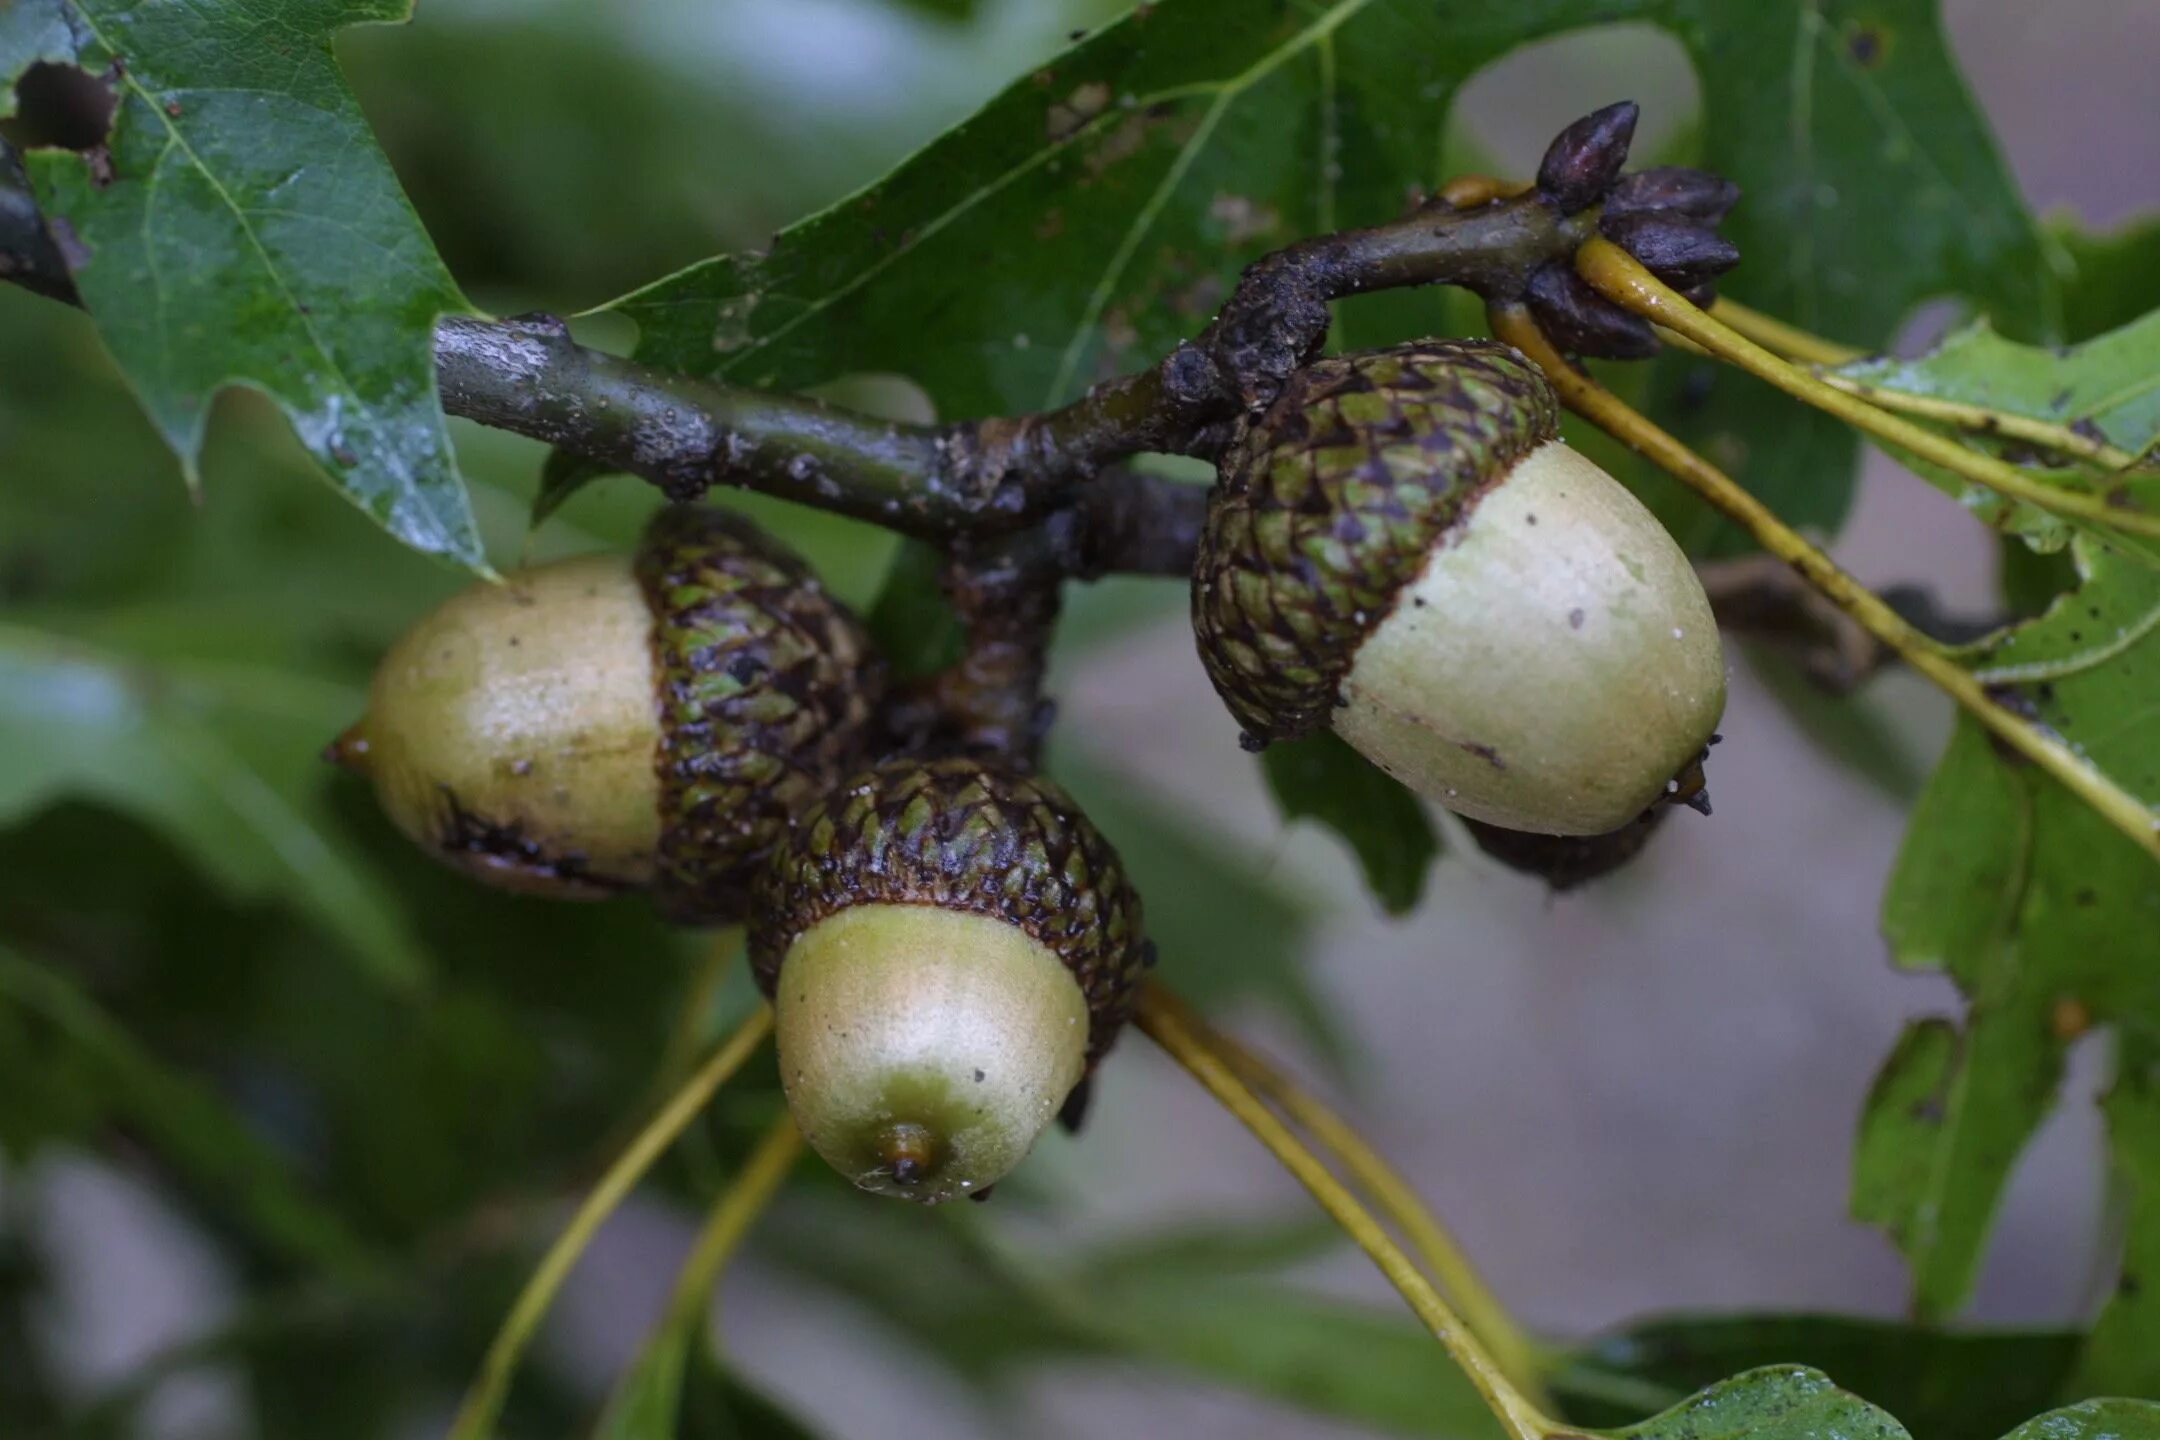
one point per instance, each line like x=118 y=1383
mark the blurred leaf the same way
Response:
x=1940 y=1384
x=1322 y=779
x=2108 y=386
x=221 y=754
x=678 y=1389
x=2095 y=1420
x=1779 y=1402
x=1854 y=731
x=1147 y=164
x=1192 y=1302
x=238 y=226
x=2111 y=279
x=190 y=1125
x=1226 y=932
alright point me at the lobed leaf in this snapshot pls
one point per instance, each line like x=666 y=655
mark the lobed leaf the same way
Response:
x=1322 y=779
x=237 y=225
x=1097 y=211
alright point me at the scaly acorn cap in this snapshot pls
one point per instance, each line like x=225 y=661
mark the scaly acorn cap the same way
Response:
x=950 y=947
x=766 y=688
x=612 y=723
x=1402 y=548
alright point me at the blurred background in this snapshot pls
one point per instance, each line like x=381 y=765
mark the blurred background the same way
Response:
x=1640 y=1099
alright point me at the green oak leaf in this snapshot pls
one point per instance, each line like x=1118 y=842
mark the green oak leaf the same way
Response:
x=2108 y=280
x=2045 y=916
x=168 y=717
x=679 y=1389
x=2094 y=1420
x=1097 y=210
x=1207 y=1304
x=1322 y=779
x=2108 y=387
x=1943 y=1384
x=1777 y=1402
x=239 y=226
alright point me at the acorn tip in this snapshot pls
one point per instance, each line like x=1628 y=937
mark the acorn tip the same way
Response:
x=350 y=750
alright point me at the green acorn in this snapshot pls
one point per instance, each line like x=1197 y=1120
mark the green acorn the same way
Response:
x=950 y=947
x=616 y=722
x=1402 y=548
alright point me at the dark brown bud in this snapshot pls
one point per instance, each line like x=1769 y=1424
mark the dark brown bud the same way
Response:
x=1673 y=190
x=1582 y=163
x=1583 y=322
x=1676 y=251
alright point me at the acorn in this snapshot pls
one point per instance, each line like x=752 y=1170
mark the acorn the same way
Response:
x=1403 y=549
x=950 y=947
x=616 y=722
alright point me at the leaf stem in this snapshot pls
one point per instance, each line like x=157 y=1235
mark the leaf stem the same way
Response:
x=1622 y=279
x=1586 y=397
x=1163 y=1018
x=1981 y=420
x=1517 y=1355
x=483 y=1402
x=1825 y=355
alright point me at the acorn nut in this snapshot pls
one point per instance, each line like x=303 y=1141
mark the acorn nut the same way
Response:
x=1403 y=549
x=617 y=722
x=950 y=947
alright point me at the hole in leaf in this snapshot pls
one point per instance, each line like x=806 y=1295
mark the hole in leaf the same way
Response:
x=1507 y=113
x=62 y=107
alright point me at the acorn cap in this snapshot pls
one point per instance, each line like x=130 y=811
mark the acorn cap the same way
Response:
x=1403 y=550
x=951 y=946
x=766 y=685
x=1332 y=501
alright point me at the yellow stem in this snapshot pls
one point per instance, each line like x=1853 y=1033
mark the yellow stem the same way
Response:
x=1788 y=340
x=476 y=1417
x=1794 y=343
x=1586 y=397
x=1980 y=420
x=1515 y=1352
x=1619 y=277
x=1164 y=1019
x=732 y=1215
